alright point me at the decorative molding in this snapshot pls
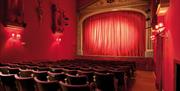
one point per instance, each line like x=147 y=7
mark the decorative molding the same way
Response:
x=162 y=8
x=149 y=53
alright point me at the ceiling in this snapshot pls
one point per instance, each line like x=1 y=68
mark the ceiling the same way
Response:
x=81 y=3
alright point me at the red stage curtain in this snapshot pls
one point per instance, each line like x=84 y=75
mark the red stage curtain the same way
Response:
x=114 y=34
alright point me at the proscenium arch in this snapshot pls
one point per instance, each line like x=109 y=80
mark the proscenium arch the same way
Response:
x=111 y=10
x=95 y=12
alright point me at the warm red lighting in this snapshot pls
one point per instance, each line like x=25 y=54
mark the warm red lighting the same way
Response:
x=161 y=24
x=12 y=34
x=153 y=37
x=157 y=26
x=23 y=43
x=158 y=31
x=58 y=39
x=58 y=34
x=18 y=36
x=15 y=36
x=161 y=29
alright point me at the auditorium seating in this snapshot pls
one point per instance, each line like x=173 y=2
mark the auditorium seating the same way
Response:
x=66 y=76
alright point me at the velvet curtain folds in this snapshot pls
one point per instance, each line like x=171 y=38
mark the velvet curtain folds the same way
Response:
x=119 y=33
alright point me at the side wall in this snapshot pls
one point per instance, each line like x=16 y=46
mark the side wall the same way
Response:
x=38 y=37
x=171 y=45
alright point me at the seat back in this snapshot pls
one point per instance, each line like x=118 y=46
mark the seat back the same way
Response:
x=68 y=87
x=56 y=70
x=13 y=70
x=104 y=81
x=25 y=83
x=72 y=72
x=47 y=85
x=8 y=82
x=25 y=73
x=4 y=69
x=56 y=76
x=89 y=74
x=76 y=80
x=41 y=75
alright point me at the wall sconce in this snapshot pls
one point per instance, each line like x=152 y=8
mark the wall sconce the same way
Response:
x=158 y=31
x=58 y=37
x=16 y=36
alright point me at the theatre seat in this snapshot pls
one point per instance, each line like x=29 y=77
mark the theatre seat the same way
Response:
x=104 y=81
x=4 y=69
x=47 y=85
x=68 y=71
x=68 y=87
x=76 y=79
x=8 y=82
x=25 y=73
x=41 y=75
x=25 y=83
x=56 y=70
x=56 y=76
x=89 y=75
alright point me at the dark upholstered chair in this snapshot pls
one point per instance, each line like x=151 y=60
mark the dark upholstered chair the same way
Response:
x=25 y=73
x=47 y=85
x=25 y=83
x=41 y=75
x=13 y=70
x=43 y=68
x=56 y=70
x=56 y=76
x=104 y=81
x=68 y=87
x=72 y=72
x=89 y=74
x=76 y=80
x=121 y=79
x=35 y=68
x=4 y=69
x=8 y=82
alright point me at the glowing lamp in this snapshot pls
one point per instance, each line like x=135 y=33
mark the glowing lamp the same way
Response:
x=152 y=37
x=158 y=31
x=58 y=39
x=156 y=27
x=161 y=29
x=161 y=24
x=12 y=34
x=18 y=36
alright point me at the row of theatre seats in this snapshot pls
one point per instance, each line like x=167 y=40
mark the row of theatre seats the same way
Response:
x=66 y=76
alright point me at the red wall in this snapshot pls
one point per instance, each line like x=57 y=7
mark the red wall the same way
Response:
x=40 y=43
x=172 y=45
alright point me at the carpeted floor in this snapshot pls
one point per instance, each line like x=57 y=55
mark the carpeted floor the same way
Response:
x=144 y=81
